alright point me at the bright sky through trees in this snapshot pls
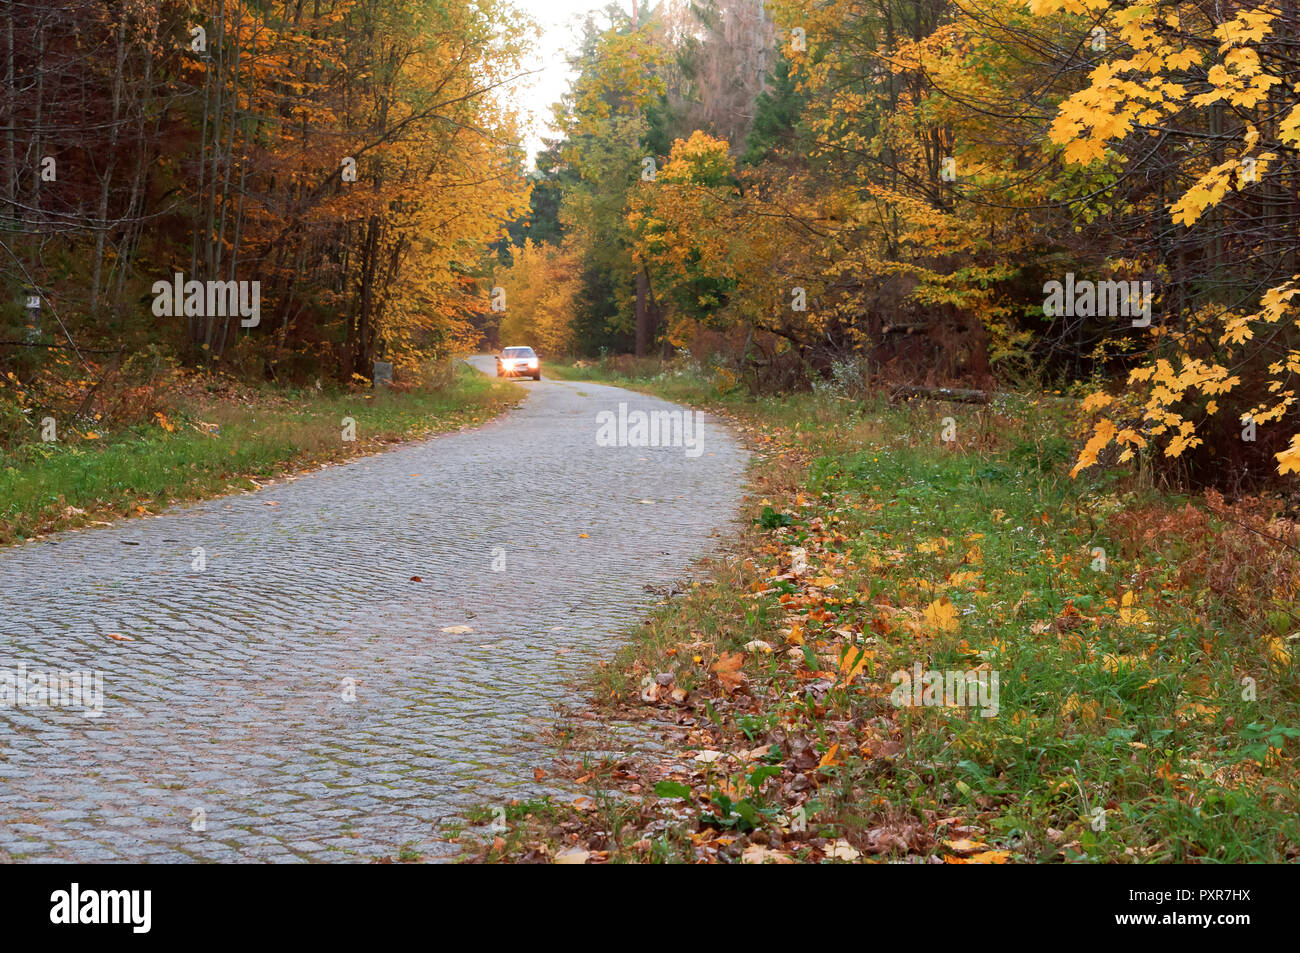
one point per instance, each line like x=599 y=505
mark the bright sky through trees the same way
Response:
x=560 y=22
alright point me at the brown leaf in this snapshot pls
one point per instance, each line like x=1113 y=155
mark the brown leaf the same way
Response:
x=727 y=668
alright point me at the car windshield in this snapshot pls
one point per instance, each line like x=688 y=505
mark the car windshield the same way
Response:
x=519 y=352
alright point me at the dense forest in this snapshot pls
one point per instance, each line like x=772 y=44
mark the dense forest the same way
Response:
x=353 y=159
x=1016 y=193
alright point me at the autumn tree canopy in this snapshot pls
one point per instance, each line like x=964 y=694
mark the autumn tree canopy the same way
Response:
x=355 y=158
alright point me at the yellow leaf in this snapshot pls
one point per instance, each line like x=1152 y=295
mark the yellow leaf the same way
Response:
x=1102 y=435
x=989 y=857
x=1278 y=655
x=854 y=661
x=1288 y=461
x=1095 y=401
x=942 y=615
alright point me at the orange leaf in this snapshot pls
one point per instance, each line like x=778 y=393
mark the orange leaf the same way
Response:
x=728 y=670
x=828 y=758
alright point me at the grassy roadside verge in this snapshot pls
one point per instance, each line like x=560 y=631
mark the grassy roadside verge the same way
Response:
x=216 y=437
x=1146 y=705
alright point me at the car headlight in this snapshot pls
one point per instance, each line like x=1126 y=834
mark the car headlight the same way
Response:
x=508 y=364
x=533 y=363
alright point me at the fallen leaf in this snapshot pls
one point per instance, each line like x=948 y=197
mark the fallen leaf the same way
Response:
x=1278 y=656
x=828 y=758
x=727 y=668
x=842 y=850
x=942 y=615
x=984 y=857
x=853 y=663
x=758 y=854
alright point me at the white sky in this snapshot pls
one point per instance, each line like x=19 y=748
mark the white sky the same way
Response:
x=561 y=23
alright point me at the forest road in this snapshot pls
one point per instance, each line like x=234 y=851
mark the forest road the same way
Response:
x=276 y=685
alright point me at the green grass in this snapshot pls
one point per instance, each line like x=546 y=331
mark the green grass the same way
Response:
x=222 y=445
x=675 y=381
x=1140 y=715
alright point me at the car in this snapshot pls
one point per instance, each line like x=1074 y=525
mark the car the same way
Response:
x=519 y=362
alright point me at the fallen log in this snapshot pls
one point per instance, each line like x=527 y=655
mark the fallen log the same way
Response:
x=955 y=395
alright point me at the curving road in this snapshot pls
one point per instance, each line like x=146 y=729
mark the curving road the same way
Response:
x=297 y=696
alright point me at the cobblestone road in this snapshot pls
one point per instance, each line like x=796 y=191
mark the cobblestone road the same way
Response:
x=232 y=698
